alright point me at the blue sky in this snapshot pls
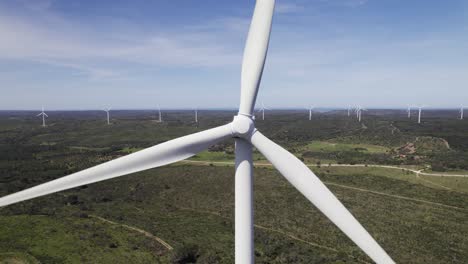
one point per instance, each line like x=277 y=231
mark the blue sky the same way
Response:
x=68 y=54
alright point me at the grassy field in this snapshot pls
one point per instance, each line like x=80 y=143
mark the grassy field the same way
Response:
x=325 y=146
x=184 y=213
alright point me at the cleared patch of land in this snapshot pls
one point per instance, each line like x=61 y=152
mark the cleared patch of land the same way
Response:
x=326 y=146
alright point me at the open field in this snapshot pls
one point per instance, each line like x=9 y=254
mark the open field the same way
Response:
x=184 y=212
x=325 y=146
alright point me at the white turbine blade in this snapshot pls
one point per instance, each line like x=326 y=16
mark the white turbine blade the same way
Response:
x=46 y=115
x=159 y=155
x=255 y=54
x=39 y=114
x=313 y=189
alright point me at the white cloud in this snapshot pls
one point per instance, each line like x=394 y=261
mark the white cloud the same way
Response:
x=74 y=46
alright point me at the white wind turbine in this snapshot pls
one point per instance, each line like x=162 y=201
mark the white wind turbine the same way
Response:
x=310 y=112
x=196 y=115
x=359 y=110
x=349 y=110
x=44 y=115
x=409 y=111
x=262 y=109
x=159 y=115
x=419 y=113
x=360 y=113
x=462 y=110
x=107 y=110
x=242 y=128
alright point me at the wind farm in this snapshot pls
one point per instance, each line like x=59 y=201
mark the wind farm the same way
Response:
x=161 y=185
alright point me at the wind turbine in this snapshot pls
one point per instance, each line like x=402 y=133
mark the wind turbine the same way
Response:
x=409 y=111
x=359 y=110
x=246 y=136
x=44 y=115
x=349 y=110
x=310 y=112
x=462 y=110
x=196 y=115
x=107 y=110
x=419 y=113
x=159 y=113
x=263 y=108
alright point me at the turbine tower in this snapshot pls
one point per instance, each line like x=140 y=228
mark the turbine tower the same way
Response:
x=349 y=110
x=310 y=112
x=107 y=110
x=262 y=109
x=159 y=114
x=409 y=111
x=44 y=115
x=359 y=110
x=246 y=136
x=462 y=110
x=419 y=114
x=196 y=115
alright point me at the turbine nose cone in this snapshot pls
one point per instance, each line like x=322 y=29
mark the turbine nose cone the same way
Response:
x=242 y=126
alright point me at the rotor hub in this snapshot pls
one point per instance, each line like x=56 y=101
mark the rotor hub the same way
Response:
x=242 y=126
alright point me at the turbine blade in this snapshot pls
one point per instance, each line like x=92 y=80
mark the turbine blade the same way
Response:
x=313 y=189
x=39 y=114
x=46 y=115
x=255 y=54
x=159 y=155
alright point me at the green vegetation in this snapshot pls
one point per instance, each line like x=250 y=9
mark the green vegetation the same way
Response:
x=189 y=206
x=338 y=147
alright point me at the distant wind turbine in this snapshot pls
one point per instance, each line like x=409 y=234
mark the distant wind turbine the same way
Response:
x=349 y=110
x=263 y=111
x=196 y=115
x=310 y=112
x=462 y=109
x=44 y=115
x=409 y=111
x=419 y=114
x=159 y=113
x=359 y=110
x=107 y=110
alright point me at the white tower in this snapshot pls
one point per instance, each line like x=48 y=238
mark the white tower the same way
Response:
x=263 y=111
x=310 y=112
x=107 y=110
x=44 y=115
x=419 y=114
x=159 y=113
